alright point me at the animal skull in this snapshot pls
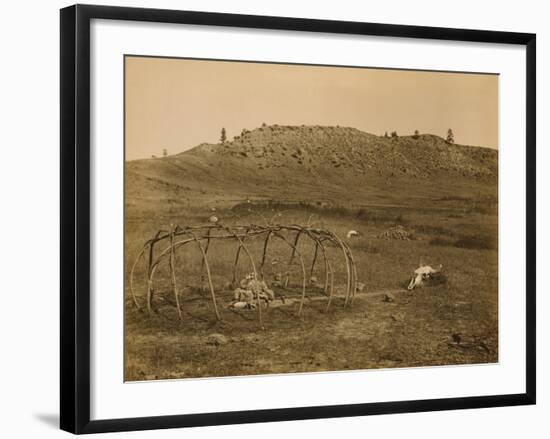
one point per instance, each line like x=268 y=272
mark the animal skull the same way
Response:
x=352 y=233
x=422 y=274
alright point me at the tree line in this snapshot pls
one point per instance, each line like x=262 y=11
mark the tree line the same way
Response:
x=449 y=139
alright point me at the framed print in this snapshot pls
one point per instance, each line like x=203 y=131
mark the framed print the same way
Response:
x=268 y=218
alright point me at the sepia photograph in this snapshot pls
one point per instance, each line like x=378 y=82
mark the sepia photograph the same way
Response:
x=293 y=218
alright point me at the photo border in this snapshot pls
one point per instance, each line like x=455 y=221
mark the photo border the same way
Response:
x=75 y=217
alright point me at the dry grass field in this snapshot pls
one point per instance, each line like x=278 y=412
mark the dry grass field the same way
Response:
x=446 y=200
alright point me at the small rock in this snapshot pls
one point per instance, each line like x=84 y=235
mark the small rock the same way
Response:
x=484 y=347
x=397 y=317
x=243 y=305
x=216 y=339
x=242 y=295
x=389 y=297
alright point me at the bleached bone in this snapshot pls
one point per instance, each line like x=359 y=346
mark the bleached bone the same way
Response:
x=422 y=274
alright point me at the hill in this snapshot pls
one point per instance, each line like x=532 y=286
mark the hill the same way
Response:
x=316 y=163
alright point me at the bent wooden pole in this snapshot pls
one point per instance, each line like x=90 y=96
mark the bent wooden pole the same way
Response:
x=319 y=244
x=132 y=271
x=314 y=259
x=293 y=253
x=354 y=272
x=264 y=254
x=173 y=274
x=149 y=268
x=303 y=271
x=237 y=254
x=348 y=271
x=205 y=252
x=149 y=284
x=342 y=246
x=329 y=272
x=331 y=293
x=207 y=266
x=326 y=267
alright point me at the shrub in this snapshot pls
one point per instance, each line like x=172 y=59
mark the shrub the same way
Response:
x=368 y=247
x=472 y=242
x=450 y=136
x=400 y=219
x=433 y=230
x=481 y=242
x=441 y=242
x=380 y=216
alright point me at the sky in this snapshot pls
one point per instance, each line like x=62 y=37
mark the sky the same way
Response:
x=176 y=104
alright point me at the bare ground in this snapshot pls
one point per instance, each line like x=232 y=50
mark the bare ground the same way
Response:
x=416 y=329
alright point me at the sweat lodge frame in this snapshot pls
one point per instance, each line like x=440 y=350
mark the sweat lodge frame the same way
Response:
x=75 y=322
x=209 y=233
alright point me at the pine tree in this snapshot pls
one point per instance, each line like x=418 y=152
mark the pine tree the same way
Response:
x=223 y=137
x=450 y=136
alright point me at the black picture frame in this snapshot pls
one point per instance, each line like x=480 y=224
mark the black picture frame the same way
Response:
x=75 y=217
